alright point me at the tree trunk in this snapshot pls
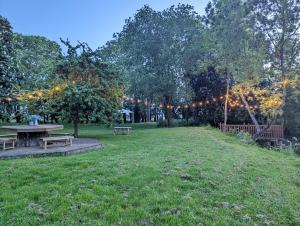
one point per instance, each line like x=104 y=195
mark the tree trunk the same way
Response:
x=282 y=58
x=226 y=102
x=258 y=130
x=168 y=117
x=168 y=111
x=76 y=129
x=76 y=122
x=148 y=110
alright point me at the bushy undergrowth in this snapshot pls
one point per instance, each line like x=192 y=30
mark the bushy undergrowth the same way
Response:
x=179 y=123
x=245 y=138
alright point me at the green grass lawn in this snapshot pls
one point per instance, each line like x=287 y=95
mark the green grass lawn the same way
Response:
x=177 y=176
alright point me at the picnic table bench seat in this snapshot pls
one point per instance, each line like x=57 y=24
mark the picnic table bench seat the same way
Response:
x=121 y=130
x=59 y=134
x=55 y=141
x=8 y=142
x=8 y=136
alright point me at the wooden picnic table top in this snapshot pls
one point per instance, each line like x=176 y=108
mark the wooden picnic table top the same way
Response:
x=33 y=129
x=122 y=127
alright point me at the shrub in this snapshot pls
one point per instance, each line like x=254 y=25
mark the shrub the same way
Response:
x=164 y=123
x=245 y=137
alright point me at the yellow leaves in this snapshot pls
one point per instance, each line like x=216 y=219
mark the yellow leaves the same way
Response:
x=269 y=101
x=271 y=105
x=244 y=88
x=292 y=83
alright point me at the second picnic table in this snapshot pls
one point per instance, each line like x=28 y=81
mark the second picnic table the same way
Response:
x=122 y=130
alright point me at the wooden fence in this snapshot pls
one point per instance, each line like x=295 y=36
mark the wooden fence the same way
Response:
x=274 y=132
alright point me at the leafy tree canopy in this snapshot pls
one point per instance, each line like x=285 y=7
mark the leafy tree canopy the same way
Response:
x=36 y=59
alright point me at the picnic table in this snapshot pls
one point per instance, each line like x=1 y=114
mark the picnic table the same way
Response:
x=122 y=130
x=29 y=136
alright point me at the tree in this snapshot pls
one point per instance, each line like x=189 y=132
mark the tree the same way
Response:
x=7 y=70
x=240 y=49
x=207 y=84
x=292 y=111
x=280 y=21
x=89 y=88
x=36 y=59
x=153 y=49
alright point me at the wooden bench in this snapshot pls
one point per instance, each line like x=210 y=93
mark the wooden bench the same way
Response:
x=59 y=134
x=9 y=136
x=122 y=130
x=4 y=141
x=56 y=141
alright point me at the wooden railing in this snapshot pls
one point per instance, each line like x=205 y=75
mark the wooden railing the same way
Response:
x=273 y=132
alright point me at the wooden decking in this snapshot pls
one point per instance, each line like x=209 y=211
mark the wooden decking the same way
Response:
x=79 y=145
x=273 y=132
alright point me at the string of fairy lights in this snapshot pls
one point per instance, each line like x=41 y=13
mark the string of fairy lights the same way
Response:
x=233 y=102
x=233 y=99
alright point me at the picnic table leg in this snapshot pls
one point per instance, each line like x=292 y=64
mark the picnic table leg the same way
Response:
x=4 y=145
x=45 y=145
x=13 y=144
x=71 y=142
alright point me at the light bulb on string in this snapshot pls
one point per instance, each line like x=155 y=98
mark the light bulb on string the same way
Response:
x=8 y=99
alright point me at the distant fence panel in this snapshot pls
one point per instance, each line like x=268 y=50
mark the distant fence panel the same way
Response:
x=273 y=132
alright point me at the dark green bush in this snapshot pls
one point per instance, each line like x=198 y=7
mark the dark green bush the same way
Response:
x=164 y=123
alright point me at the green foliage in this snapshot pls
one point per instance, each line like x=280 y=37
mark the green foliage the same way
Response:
x=239 y=49
x=164 y=123
x=206 y=84
x=279 y=20
x=91 y=90
x=166 y=57
x=36 y=59
x=7 y=69
x=6 y=56
x=245 y=137
x=292 y=112
x=155 y=48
